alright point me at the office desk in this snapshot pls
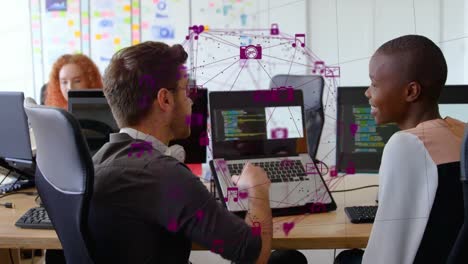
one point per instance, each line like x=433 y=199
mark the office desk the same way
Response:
x=314 y=231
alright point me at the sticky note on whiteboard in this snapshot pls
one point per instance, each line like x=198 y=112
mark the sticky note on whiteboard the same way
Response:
x=77 y=34
x=98 y=36
x=116 y=41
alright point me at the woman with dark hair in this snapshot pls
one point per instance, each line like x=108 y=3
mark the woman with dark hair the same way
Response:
x=70 y=72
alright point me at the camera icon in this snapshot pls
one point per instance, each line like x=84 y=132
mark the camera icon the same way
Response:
x=163 y=32
x=251 y=52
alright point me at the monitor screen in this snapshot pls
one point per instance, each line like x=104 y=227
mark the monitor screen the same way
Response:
x=92 y=111
x=271 y=123
x=248 y=128
x=15 y=142
x=360 y=142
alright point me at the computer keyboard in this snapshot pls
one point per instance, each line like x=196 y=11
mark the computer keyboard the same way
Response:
x=277 y=171
x=361 y=214
x=35 y=218
x=16 y=186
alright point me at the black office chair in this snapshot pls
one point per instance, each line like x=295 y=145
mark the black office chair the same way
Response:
x=64 y=177
x=43 y=93
x=312 y=90
x=459 y=253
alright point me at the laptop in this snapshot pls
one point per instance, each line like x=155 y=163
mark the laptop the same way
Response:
x=266 y=128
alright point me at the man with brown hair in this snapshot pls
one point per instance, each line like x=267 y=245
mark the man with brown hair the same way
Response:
x=149 y=207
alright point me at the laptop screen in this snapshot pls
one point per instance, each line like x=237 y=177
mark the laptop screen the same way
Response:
x=244 y=127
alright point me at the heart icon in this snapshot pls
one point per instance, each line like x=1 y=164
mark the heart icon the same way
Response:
x=287 y=227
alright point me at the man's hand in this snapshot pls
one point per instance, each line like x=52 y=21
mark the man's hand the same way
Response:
x=252 y=178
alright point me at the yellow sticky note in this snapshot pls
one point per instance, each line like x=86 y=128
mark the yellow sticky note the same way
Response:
x=135 y=27
x=98 y=36
x=135 y=42
x=116 y=41
x=206 y=28
x=71 y=23
x=127 y=8
x=77 y=34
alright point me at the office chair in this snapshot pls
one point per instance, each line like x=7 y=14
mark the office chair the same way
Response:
x=43 y=93
x=64 y=177
x=459 y=253
x=312 y=90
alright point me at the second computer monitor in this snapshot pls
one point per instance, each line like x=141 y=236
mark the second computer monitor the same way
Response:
x=360 y=142
x=90 y=108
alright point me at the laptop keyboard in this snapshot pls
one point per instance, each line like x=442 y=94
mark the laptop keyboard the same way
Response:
x=277 y=171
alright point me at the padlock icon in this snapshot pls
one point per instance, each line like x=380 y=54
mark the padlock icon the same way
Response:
x=256 y=229
x=204 y=141
x=274 y=30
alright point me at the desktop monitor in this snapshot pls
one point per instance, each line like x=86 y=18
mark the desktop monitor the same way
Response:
x=15 y=142
x=90 y=108
x=360 y=142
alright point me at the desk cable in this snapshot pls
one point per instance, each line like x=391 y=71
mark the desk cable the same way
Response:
x=355 y=189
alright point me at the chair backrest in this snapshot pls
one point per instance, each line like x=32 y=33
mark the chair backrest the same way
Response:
x=312 y=89
x=43 y=93
x=459 y=253
x=64 y=177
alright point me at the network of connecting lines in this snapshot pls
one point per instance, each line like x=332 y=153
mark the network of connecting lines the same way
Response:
x=248 y=59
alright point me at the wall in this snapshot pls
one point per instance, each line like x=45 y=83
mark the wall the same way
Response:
x=15 y=48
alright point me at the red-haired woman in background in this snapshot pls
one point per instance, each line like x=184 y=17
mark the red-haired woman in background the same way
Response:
x=71 y=72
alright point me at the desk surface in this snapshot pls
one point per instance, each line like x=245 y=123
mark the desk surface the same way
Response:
x=314 y=231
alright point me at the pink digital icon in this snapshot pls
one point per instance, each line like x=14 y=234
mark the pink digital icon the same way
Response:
x=172 y=225
x=311 y=169
x=243 y=195
x=333 y=171
x=144 y=102
x=250 y=52
x=353 y=128
x=287 y=227
x=274 y=30
x=275 y=94
x=222 y=165
x=279 y=133
x=218 y=246
x=286 y=163
x=197 y=30
x=350 y=169
x=256 y=229
x=204 y=141
x=233 y=191
x=318 y=67
x=182 y=68
x=332 y=71
x=199 y=214
x=147 y=81
x=297 y=38
x=318 y=207
x=195 y=119
x=141 y=148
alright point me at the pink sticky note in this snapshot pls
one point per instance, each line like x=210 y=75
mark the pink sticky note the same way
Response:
x=85 y=21
x=136 y=11
x=144 y=25
x=85 y=37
